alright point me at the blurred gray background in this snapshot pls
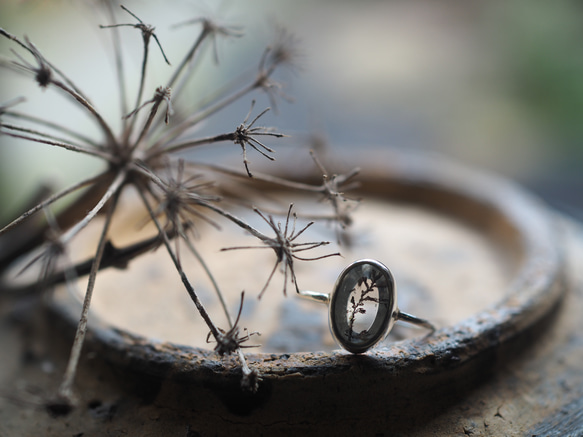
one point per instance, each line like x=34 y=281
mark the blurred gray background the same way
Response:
x=497 y=85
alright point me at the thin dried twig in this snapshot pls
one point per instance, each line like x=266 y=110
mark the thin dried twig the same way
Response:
x=87 y=141
x=147 y=33
x=161 y=95
x=186 y=282
x=51 y=200
x=44 y=138
x=331 y=191
x=65 y=393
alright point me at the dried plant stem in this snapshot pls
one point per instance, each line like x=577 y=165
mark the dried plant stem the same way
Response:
x=147 y=33
x=228 y=100
x=212 y=279
x=51 y=141
x=160 y=96
x=68 y=272
x=186 y=61
x=189 y=288
x=143 y=73
x=155 y=152
x=119 y=65
x=113 y=188
x=51 y=200
x=85 y=139
x=188 y=58
x=242 y=224
x=89 y=107
x=130 y=128
x=66 y=219
x=112 y=257
x=65 y=390
x=113 y=191
x=68 y=81
x=260 y=177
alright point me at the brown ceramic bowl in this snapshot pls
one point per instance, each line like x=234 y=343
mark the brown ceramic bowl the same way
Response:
x=401 y=382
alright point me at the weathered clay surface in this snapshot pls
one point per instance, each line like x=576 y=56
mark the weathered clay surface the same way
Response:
x=509 y=370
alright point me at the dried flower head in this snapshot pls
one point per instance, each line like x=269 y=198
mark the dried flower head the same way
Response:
x=146 y=154
x=331 y=191
x=285 y=247
x=147 y=31
x=230 y=341
x=214 y=30
x=246 y=134
x=284 y=52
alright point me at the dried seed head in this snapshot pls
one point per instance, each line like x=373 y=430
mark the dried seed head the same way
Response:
x=42 y=73
x=147 y=30
x=285 y=50
x=285 y=247
x=333 y=188
x=245 y=135
x=164 y=94
x=43 y=76
x=182 y=196
x=136 y=157
x=230 y=341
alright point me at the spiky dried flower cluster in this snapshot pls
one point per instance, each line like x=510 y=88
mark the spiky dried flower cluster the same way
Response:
x=285 y=247
x=144 y=156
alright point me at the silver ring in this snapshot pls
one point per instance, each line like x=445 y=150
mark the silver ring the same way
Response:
x=363 y=306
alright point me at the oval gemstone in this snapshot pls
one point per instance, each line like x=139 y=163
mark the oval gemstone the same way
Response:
x=363 y=305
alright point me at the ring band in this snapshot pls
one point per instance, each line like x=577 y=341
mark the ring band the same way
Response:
x=363 y=306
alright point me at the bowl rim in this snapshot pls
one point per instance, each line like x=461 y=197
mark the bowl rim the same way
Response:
x=498 y=207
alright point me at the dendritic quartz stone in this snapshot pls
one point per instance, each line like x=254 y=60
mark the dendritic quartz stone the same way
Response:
x=363 y=306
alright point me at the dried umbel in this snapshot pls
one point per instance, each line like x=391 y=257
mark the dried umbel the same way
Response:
x=146 y=156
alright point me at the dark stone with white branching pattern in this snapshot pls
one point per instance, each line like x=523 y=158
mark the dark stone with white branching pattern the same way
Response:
x=363 y=306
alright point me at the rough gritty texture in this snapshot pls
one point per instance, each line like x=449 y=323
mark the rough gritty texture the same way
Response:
x=510 y=370
x=535 y=389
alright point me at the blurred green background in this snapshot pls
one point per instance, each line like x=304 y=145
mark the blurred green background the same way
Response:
x=497 y=84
